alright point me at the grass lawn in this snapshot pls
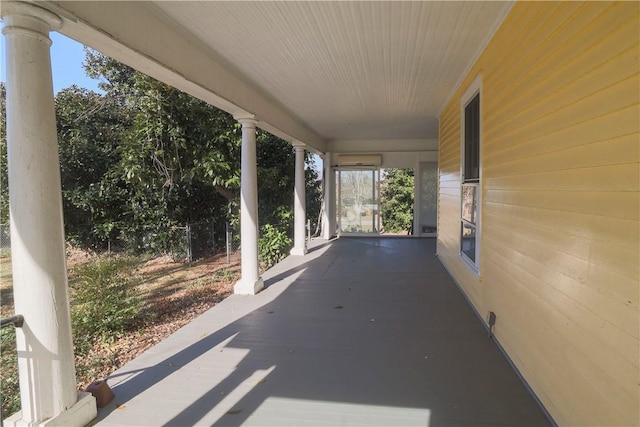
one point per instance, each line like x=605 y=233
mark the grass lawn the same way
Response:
x=6 y=291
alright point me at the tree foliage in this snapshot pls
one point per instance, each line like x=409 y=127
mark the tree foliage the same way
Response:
x=397 y=200
x=180 y=157
x=313 y=192
x=144 y=157
x=91 y=128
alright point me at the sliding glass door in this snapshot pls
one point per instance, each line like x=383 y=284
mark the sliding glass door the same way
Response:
x=358 y=201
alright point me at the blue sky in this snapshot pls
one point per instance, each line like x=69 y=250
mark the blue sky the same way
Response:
x=67 y=57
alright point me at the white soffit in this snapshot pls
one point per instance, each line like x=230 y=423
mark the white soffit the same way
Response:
x=349 y=70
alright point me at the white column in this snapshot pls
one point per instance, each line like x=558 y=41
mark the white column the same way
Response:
x=329 y=199
x=250 y=282
x=299 y=204
x=45 y=351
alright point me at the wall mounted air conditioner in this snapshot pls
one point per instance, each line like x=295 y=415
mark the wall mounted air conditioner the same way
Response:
x=360 y=160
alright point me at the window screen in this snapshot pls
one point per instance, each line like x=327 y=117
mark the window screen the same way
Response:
x=472 y=140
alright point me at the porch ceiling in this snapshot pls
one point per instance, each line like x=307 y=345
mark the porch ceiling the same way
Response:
x=338 y=70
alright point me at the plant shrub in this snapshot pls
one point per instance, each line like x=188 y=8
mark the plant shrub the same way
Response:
x=9 y=387
x=104 y=301
x=273 y=245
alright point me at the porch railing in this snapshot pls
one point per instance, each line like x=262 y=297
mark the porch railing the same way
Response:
x=17 y=321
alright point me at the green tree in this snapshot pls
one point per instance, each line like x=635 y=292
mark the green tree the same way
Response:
x=397 y=200
x=179 y=158
x=276 y=163
x=144 y=157
x=91 y=128
x=313 y=192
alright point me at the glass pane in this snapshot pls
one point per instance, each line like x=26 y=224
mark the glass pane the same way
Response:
x=469 y=203
x=468 y=241
x=472 y=140
x=375 y=200
x=358 y=201
x=428 y=197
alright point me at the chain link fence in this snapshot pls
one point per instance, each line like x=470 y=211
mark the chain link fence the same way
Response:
x=5 y=239
x=190 y=242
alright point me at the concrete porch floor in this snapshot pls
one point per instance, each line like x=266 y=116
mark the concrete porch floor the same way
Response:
x=360 y=331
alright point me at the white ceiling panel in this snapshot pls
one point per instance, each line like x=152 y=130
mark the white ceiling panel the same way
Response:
x=318 y=72
x=348 y=70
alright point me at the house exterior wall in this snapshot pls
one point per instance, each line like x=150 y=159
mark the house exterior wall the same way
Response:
x=559 y=260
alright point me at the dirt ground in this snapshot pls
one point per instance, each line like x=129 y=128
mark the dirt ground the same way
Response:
x=174 y=293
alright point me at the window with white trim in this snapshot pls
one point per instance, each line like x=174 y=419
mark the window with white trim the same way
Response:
x=470 y=168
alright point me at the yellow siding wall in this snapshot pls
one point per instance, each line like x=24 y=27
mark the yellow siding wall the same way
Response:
x=560 y=203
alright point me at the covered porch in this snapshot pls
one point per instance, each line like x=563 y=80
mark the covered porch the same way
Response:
x=360 y=331
x=526 y=112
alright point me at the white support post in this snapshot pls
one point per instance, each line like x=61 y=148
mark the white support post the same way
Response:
x=329 y=199
x=45 y=351
x=250 y=282
x=299 y=238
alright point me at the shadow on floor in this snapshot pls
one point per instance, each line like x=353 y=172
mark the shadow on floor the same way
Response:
x=361 y=332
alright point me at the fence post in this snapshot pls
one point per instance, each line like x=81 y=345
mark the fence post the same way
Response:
x=213 y=238
x=228 y=238
x=189 y=254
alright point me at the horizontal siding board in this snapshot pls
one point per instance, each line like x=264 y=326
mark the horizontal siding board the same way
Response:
x=565 y=317
x=565 y=89
x=619 y=96
x=560 y=216
x=535 y=86
x=564 y=266
x=449 y=127
x=582 y=106
x=449 y=166
x=449 y=174
x=601 y=277
x=622 y=205
x=613 y=284
x=619 y=177
x=509 y=334
x=612 y=125
x=556 y=331
x=591 y=228
x=541 y=76
x=558 y=385
x=614 y=151
x=502 y=64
